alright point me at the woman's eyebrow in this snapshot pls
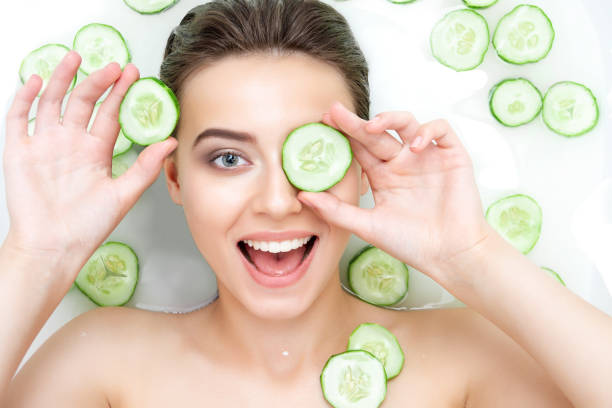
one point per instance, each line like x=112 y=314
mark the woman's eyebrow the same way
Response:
x=224 y=133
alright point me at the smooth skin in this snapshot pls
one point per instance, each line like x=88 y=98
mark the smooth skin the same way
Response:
x=523 y=341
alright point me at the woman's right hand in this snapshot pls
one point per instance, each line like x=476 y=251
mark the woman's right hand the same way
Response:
x=62 y=200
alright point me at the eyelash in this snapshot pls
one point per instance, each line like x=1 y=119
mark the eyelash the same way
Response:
x=220 y=155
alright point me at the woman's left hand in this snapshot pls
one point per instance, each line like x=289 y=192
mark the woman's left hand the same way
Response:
x=427 y=206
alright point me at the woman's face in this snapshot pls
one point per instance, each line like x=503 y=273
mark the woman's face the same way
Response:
x=234 y=188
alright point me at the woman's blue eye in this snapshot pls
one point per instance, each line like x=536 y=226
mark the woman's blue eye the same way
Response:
x=227 y=159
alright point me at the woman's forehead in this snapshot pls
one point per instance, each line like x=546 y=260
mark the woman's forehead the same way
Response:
x=261 y=85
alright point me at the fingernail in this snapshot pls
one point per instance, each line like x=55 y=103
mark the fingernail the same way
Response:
x=416 y=142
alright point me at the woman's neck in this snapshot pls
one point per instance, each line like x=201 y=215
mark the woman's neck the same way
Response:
x=282 y=348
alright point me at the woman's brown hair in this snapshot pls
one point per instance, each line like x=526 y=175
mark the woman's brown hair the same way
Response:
x=222 y=28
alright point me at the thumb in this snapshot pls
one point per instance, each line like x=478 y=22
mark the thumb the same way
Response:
x=143 y=172
x=338 y=212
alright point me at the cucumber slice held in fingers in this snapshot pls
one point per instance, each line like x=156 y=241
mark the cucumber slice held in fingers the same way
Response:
x=110 y=276
x=99 y=45
x=383 y=345
x=515 y=102
x=150 y=6
x=377 y=277
x=518 y=219
x=524 y=35
x=316 y=156
x=354 y=379
x=570 y=109
x=149 y=112
x=42 y=62
x=460 y=40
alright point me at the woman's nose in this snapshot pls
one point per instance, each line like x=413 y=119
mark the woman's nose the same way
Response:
x=276 y=196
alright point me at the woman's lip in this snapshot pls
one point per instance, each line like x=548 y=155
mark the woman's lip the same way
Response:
x=276 y=235
x=279 y=281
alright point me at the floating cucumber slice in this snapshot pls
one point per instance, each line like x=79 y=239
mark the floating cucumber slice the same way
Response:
x=570 y=109
x=99 y=45
x=149 y=112
x=460 y=40
x=479 y=3
x=524 y=35
x=554 y=275
x=42 y=62
x=316 y=157
x=381 y=343
x=122 y=162
x=401 y=1
x=354 y=379
x=378 y=278
x=517 y=218
x=515 y=102
x=110 y=275
x=122 y=144
x=150 y=6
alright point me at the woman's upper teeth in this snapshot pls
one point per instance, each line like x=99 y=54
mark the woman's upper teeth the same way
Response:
x=277 y=246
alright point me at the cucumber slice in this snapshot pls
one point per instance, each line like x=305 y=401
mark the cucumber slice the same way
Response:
x=460 y=40
x=122 y=162
x=517 y=218
x=401 y=1
x=377 y=277
x=150 y=6
x=515 y=102
x=122 y=144
x=524 y=35
x=570 y=109
x=381 y=343
x=354 y=379
x=99 y=45
x=110 y=275
x=149 y=112
x=554 y=275
x=42 y=62
x=479 y=3
x=316 y=157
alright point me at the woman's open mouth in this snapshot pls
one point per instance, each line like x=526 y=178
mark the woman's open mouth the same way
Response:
x=278 y=263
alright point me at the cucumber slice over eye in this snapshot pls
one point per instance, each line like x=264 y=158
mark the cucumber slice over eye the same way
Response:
x=354 y=379
x=524 y=35
x=110 y=275
x=149 y=112
x=515 y=102
x=316 y=156
x=570 y=109
x=517 y=218
x=150 y=6
x=122 y=162
x=460 y=40
x=99 y=45
x=554 y=275
x=383 y=345
x=479 y=3
x=377 y=277
x=42 y=62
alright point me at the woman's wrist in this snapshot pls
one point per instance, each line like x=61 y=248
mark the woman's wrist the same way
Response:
x=48 y=268
x=463 y=269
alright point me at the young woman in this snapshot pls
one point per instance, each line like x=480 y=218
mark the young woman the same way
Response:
x=247 y=73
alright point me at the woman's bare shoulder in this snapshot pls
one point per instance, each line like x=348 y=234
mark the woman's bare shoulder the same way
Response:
x=84 y=362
